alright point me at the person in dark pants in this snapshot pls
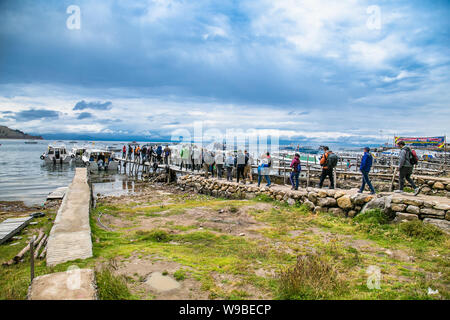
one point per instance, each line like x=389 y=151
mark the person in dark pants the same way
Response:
x=167 y=153
x=229 y=164
x=241 y=161
x=326 y=171
x=405 y=168
x=219 y=159
x=366 y=165
x=296 y=168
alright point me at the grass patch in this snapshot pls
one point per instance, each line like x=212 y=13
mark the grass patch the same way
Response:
x=312 y=277
x=111 y=287
x=420 y=230
x=264 y=198
x=154 y=235
x=179 y=275
x=374 y=216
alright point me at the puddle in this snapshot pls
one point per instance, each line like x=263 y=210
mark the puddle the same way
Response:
x=160 y=283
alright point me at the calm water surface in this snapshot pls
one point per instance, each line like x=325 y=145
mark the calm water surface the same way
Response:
x=23 y=177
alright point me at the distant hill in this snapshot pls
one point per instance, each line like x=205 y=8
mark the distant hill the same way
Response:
x=7 y=133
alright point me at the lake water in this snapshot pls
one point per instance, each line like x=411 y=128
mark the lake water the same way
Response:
x=23 y=177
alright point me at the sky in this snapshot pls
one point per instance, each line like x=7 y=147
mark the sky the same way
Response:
x=314 y=71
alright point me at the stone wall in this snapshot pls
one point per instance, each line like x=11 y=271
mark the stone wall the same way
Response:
x=344 y=203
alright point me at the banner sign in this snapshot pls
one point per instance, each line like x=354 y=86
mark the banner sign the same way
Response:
x=437 y=142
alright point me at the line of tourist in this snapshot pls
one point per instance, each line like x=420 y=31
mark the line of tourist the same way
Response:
x=239 y=165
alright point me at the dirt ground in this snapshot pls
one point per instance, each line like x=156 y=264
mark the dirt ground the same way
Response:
x=273 y=244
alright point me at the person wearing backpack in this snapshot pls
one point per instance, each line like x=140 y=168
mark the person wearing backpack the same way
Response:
x=366 y=165
x=296 y=168
x=406 y=161
x=264 y=169
x=328 y=162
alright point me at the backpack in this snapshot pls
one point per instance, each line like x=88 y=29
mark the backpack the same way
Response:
x=298 y=167
x=413 y=159
x=332 y=161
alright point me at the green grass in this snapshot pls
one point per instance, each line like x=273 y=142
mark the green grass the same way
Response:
x=373 y=217
x=179 y=275
x=330 y=268
x=112 y=287
x=312 y=277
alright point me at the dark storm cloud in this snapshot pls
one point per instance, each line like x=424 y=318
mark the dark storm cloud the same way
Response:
x=33 y=114
x=84 y=115
x=81 y=105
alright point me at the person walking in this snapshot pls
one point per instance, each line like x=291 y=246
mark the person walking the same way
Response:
x=159 y=152
x=167 y=153
x=229 y=164
x=241 y=162
x=405 y=167
x=130 y=151
x=328 y=161
x=366 y=165
x=264 y=168
x=248 y=167
x=296 y=169
x=144 y=153
x=184 y=155
x=124 y=152
x=208 y=161
x=219 y=159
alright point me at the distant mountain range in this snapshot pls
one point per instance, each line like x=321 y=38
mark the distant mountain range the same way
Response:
x=7 y=133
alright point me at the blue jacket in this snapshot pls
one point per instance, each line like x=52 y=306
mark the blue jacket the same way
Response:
x=366 y=162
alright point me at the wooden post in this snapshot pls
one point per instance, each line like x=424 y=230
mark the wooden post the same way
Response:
x=335 y=177
x=284 y=170
x=445 y=151
x=393 y=179
x=32 y=258
x=307 y=167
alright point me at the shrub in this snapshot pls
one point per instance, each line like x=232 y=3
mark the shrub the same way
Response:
x=312 y=277
x=419 y=230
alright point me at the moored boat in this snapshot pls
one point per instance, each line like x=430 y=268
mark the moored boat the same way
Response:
x=98 y=159
x=57 y=154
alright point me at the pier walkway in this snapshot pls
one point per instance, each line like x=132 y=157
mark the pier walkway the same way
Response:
x=70 y=237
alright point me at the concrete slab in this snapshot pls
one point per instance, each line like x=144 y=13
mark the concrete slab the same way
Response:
x=77 y=284
x=70 y=237
x=57 y=194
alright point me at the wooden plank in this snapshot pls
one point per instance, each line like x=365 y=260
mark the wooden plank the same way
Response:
x=12 y=226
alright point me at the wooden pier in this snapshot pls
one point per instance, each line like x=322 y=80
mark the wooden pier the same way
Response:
x=12 y=226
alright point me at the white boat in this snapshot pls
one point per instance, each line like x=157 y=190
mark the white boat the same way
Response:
x=98 y=159
x=57 y=154
x=79 y=152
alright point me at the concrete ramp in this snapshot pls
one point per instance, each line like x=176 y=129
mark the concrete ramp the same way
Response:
x=77 y=284
x=70 y=237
